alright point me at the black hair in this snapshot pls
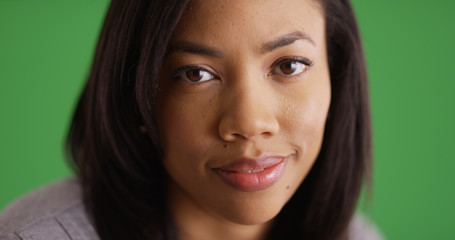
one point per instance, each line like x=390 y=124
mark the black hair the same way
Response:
x=119 y=165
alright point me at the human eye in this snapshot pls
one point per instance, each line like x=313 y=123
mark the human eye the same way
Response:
x=291 y=66
x=193 y=73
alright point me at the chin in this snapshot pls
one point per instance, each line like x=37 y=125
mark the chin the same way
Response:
x=252 y=209
x=251 y=218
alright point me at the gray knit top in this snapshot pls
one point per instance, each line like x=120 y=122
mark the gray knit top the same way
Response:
x=56 y=212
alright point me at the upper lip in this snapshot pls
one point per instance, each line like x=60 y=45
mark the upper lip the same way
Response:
x=251 y=164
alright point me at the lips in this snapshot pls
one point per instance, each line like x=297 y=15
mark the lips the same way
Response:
x=251 y=175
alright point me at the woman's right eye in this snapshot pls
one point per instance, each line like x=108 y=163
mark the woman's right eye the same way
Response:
x=193 y=74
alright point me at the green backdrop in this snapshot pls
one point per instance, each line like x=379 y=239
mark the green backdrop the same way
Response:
x=46 y=49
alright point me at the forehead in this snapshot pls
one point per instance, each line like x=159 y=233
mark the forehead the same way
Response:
x=219 y=22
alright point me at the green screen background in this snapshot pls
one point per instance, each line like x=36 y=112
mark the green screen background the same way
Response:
x=45 y=54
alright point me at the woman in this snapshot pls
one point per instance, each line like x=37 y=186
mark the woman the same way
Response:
x=216 y=120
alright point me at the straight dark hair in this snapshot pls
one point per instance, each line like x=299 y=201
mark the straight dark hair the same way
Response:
x=119 y=165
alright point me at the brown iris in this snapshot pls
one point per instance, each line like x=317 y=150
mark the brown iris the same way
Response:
x=194 y=75
x=288 y=67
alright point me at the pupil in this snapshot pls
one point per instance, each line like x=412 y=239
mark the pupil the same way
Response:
x=288 y=67
x=194 y=75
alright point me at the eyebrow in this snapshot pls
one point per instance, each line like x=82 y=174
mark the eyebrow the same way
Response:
x=195 y=48
x=201 y=49
x=285 y=40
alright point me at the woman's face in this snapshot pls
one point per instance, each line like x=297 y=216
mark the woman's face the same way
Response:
x=243 y=99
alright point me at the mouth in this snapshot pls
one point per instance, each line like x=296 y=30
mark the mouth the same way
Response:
x=250 y=175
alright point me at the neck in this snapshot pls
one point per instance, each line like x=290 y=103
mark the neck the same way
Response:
x=194 y=221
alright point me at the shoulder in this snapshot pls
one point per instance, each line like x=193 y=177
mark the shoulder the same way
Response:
x=55 y=211
x=361 y=228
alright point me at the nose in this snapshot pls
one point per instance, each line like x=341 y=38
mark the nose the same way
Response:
x=249 y=111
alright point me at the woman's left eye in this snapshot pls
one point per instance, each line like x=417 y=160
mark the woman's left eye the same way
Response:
x=291 y=67
x=193 y=74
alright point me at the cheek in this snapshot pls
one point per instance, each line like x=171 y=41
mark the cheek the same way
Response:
x=176 y=124
x=305 y=117
x=176 y=130
x=306 y=113
x=307 y=131
x=185 y=127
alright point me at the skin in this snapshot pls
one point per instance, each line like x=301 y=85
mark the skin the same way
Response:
x=253 y=99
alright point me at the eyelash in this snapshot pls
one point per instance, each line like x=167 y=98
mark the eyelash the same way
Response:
x=305 y=61
x=178 y=73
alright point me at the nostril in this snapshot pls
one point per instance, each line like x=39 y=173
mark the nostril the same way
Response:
x=246 y=136
x=267 y=134
x=238 y=135
x=247 y=119
x=233 y=137
x=233 y=129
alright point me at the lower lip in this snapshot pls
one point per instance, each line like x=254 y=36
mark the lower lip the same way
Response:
x=251 y=182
